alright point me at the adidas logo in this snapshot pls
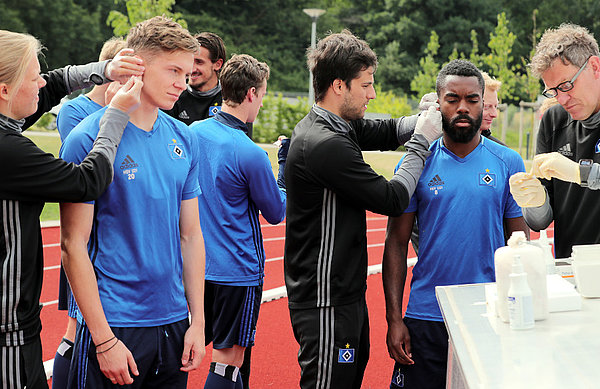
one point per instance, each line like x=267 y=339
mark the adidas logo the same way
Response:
x=566 y=150
x=183 y=115
x=128 y=163
x=435 y=181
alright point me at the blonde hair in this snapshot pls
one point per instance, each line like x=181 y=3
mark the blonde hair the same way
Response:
x=571 y=43
x=491 y=83
x=111 y=47
x=160 y=33
x=17 y=50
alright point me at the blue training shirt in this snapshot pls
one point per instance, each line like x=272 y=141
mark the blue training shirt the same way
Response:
x=73 y=112
x=237 y=182
x=461 y=204
x=135 y=240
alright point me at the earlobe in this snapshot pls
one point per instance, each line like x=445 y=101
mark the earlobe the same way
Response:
x=595 y=62
x=337 y=86
x=250 y=95
x=4 y=92
x=218 y=64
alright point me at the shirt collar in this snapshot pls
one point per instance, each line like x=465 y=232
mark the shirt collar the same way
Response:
x=337 y=123
x=209 y=93
x=11 y=124
x=231 y=121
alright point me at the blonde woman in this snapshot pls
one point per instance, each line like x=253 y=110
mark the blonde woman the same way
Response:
x=29 y=177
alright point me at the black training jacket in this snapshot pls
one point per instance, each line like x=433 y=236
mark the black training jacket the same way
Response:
x=329 y=187
x=576 y=209
x=28 y=178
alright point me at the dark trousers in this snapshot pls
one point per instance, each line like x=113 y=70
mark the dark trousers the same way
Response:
x=429 y=348
x=334 y=345
x=22 y=366
x=157 y=352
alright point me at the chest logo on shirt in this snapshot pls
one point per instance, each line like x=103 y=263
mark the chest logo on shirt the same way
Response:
x=487 y=179
x=129 y=167
x=597 y=148
x=436 y=184
x=176 y=150
x=212 y=111
x=566 y=150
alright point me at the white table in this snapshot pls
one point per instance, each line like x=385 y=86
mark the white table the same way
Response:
x=560 y=352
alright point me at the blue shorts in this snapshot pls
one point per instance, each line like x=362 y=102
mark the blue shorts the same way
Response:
x=230 y=314
x=157 y=352
x=429 y=348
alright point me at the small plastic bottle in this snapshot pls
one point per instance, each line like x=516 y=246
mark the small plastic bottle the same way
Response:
x=544 y=243
x=520 y=302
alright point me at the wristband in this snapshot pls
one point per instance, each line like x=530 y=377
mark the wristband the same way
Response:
x=585 y=166
x=101 y=352
x=103 y=343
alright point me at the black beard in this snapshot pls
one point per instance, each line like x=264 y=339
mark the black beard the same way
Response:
x=460 y=134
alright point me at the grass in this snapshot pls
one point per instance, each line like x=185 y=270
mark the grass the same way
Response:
x=382 y=163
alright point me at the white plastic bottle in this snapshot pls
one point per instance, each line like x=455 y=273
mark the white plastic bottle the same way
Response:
x=544 y=243
x=520 y=302
x=532 y=258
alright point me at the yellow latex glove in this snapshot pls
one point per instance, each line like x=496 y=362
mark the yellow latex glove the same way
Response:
x=527 y=190
x=556 y=165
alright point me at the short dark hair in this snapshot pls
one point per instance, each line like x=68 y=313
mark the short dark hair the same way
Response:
x=239 y=74
x=214 y=44
x=338 y=56
x=458 y=67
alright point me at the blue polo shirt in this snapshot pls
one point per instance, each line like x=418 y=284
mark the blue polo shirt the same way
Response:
x=461 y=204
x=135 y=240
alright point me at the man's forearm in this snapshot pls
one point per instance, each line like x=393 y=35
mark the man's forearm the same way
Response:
x=76 y=225
x=83 y=282
x=539 y=218
x=192 y=249
x=394 y=278
x=413 y=163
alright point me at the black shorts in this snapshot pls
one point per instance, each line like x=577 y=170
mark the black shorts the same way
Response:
x=157 y=352
x=334 y=345
x=22 y=365
x=429 y=348
x=230 y=314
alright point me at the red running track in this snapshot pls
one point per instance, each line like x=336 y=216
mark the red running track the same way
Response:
x=274 y=363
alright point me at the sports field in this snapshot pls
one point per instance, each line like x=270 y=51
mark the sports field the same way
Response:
x=274 y=362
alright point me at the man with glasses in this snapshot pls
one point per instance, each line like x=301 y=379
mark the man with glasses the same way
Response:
x=568 y=144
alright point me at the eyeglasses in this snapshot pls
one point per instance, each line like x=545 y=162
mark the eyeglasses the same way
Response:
x=564 y=86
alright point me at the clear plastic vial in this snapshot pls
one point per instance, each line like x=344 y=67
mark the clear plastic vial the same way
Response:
x=520 y=302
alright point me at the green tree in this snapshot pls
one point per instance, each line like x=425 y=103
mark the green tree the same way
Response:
x=388 y=102
x=274 y=31
x=140 y=10
x=404 y=27
x=278 y=116
x=424 y=81
x=475 y=57
x=500 y=59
